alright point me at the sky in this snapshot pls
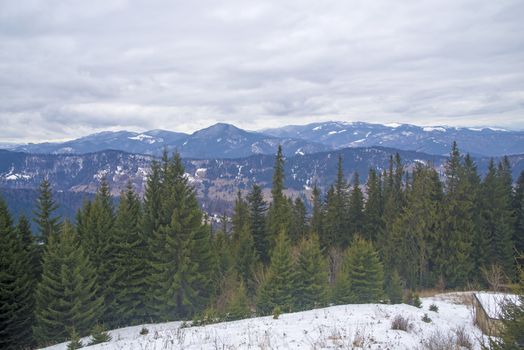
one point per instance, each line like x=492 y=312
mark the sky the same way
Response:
x=70 y=68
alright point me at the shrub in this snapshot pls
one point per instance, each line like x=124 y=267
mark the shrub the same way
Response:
x=277 y=312
x=462 y=338
x=144 y=331
x=99 y=335
x=413 y=299
x=75 y=342
x=401 y=323
x=426 y=318
x=433 y=307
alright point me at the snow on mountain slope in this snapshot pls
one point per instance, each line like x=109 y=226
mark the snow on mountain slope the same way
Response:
x=346 y=326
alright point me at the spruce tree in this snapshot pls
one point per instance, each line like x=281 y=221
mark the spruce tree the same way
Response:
x=279 y=213
x=46 y=221
x=457 y=226
x=356 y=210
x=240 y=219
x=237 y=307
x=99 y=241
x=131 y=258
x=518 y=207
x=414 y=232
x=316 y=222
x=16 y=286
x=277 y=289
x=33 y=250
x=364 y=273
x=374 y=208
x=312 y=275
x=257 y=223
x=394 y=288
x=298 y=227
x=176 y=277
x=246 y=258
x=337 y=217
x=206 y=260
x=67 y=296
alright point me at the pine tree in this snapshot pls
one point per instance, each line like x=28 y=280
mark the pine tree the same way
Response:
x=45 y=207
x=312 y=275
x=298 y=227
x=497 y=217
x=316 y=222
x=176 y=276
x=257 y=223
x=97 y=236
x=356 y=210
x=364 y=273
x=131 y=254
x=67 y=296
x=374 y=208
x=279 y=213
x=277 y=290
x=414 y=231
x=237 y=307
x=16 y=286
x=457 y=226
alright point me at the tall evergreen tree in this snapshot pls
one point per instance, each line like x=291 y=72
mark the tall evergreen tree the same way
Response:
x=131 y=257
x=374 y=208
x=98 y=239
x=177 y=277
x=46 y=221
x=31 y=247
x=316 y=222
x=362 y=275
x=457 y=225
x=279 y=286
x=312 y=275
x=356 y=210
x=279 y=213
x=16 y=286
x=414 y=231
x=257 y=223
x=298 y=227
x=246 y=259
x=518 y=206
x=240 y=219
x=67 y=297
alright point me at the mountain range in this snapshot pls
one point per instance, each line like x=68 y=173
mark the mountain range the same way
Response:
x=227 y=141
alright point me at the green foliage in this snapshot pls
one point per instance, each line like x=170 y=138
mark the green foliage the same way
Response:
x=356 y=210
x=237 y=307
x=257 y=223
x=144 y=331
x=16 y=286
x=337 y=206
x=276 y=312
x=394 y=288
x=426 y=318
x=279 y=286
x=246 y=258
x=74 y=340
x=362 y=277
x=298 y=228
x=130 y=269
x=67 y=296
x=312 y=277
x=99 y=335
x=433 y=308
x=47 y=223
x=413 y=299
x=374 y=208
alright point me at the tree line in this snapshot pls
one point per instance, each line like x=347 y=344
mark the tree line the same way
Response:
x=158 y=258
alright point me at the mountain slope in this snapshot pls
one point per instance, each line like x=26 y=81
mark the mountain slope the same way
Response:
x=366 y=326
x=217 y=141
x=433 y=140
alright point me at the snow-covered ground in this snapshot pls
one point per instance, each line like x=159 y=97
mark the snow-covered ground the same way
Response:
x=366 y=326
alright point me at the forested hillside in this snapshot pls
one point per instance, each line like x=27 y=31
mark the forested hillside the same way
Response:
x=157 y=259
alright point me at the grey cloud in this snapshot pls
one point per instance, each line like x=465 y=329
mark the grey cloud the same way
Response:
x=74 y=67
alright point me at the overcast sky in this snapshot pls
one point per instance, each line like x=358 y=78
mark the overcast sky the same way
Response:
x=69 y=68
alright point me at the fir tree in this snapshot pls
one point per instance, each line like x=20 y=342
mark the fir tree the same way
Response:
x=257 y=223
x=16 y=286
x=316 y=223
x=364 y=273
x=131 y=256
x=312 y=275
x=356 y=211
x=298 y=227
x=374 y=208
x=45 y=207
x=67 y=296
x=279 y=213
x=277 y=289
x=457 y=227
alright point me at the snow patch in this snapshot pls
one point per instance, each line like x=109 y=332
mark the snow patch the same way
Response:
x=434 y=128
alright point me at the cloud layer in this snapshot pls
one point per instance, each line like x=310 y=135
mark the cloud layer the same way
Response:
x=68 y=68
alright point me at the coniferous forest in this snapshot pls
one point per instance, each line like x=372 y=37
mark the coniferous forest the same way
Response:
x=157 y=258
